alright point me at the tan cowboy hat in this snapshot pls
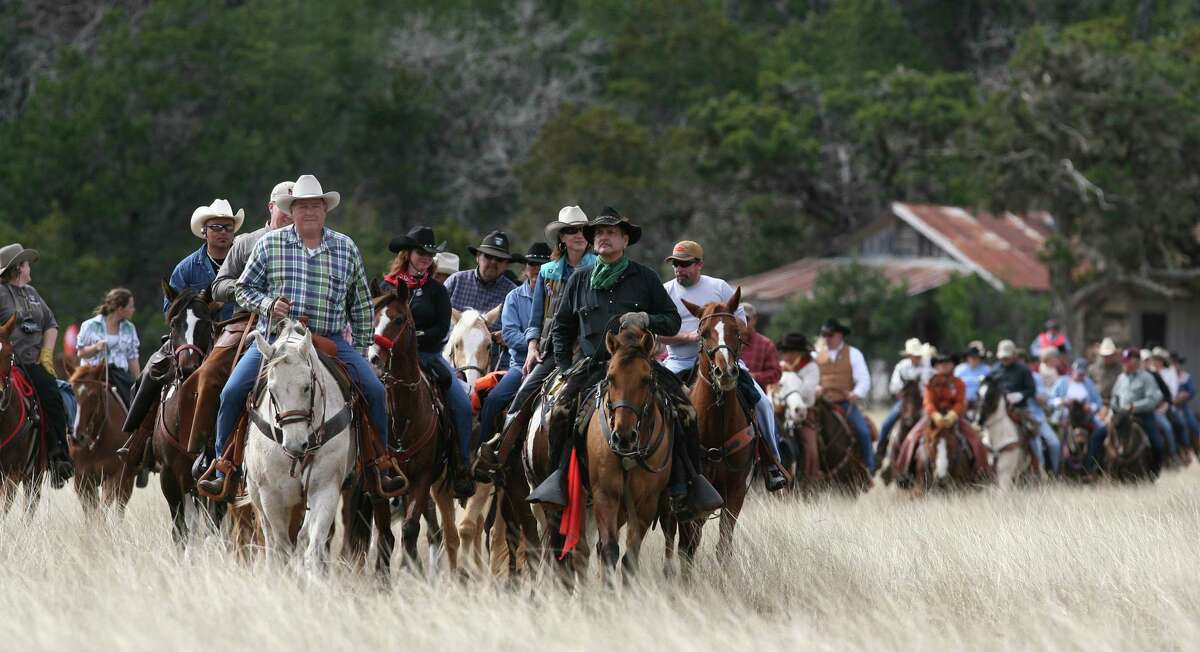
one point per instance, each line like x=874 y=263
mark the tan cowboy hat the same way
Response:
x=14 y=254
x=913 y=346
x=446 y=263
x=567 y=216
x=219 y=208
x=1006 y=349
x=1048 y=353
x=1107 y=347
x=307 y=187
x=1161 y=353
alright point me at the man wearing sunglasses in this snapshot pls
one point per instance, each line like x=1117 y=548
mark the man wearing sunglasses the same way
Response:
x=215 y=224
x=485 y=287
x=683 y=349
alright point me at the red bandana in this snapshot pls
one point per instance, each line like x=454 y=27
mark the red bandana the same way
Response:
x=413 y=282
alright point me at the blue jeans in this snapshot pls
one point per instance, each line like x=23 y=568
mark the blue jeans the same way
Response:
x=1050 y=440
x=766 y=417
x=859 y=424
x=457 y=402
x=241 y=381
x=1095 y=445
x=498 y=400
x=1189 y=418
x=1166 y=433
x=885 y=428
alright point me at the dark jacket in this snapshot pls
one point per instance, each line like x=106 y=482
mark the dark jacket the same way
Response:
x=585 y=315
x=430 y=305
x=1016 y=377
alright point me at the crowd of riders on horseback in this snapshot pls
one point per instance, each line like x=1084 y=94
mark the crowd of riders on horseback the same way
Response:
x=577 y=288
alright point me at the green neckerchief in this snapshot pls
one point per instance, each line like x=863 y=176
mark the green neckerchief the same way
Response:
x=605 y=274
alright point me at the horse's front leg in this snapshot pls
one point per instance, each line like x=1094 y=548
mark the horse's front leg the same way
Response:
x=605 y=506
x=322 y=508
x=450 y=535
x=414 y=509
x=275 y=515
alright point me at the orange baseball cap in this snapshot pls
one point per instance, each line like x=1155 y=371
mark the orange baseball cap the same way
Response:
x=686 y=250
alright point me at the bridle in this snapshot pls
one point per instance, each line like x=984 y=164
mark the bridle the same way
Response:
x=637 y=454
x=493 y=361
x=180 y=349
x=710 y=353
x=386 y=347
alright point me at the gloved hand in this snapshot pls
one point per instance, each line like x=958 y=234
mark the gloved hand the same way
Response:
x=638 y=319
x=936 y=418
x=950 y=419
x=1014 y=397
x=46 y=359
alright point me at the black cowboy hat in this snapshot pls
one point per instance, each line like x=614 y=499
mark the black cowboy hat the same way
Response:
x=795 y=342
x=538 y=254
x=610 y=217
x=418 y=237
x=944 y=357
x=494 y=244
x=833 y=325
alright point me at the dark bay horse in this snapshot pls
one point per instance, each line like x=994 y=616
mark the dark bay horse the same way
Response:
x=22 y=444
x=192 y=332
x=726 y=435
x=1127 y=450
x=1075 y=432
x=943 y=461
x=101 y=476
x=629 y=444
x=417 y=434
x=839 y=458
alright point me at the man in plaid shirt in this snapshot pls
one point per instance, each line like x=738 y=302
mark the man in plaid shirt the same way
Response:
x=306 y=270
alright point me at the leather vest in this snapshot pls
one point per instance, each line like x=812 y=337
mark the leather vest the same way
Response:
x=837 y=377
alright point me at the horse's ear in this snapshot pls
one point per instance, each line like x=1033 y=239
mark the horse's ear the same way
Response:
x=169 y=292
x=373 y=287
x=7 y=329
x=401 y=293
x=611 y=343
x=734 y=301
x=647 y=343
x=692 y=308
x=493 y=315
x=264 y=347
x=455 y=316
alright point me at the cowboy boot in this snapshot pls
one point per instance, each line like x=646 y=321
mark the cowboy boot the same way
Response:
x=774 y=478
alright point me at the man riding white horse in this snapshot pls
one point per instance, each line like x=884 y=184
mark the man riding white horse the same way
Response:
x=683 y=349
x=307 y=270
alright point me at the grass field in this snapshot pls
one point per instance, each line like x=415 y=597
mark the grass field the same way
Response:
x=1094 y=568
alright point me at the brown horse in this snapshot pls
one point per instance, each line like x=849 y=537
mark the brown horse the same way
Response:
x=101 y=476
x=1075 y=432
x=417 y=432
x=839 y=457
x=943 y=461
x=629 y=444
x=726 y=435
x=22 y=444
x=1127 y=450
x=192 y=332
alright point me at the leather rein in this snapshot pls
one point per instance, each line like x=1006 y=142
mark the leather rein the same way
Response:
x=390 y=380
x=637 y=455
x=744 y=437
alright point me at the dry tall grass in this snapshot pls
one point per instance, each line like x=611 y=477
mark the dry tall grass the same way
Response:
x=1062 y=567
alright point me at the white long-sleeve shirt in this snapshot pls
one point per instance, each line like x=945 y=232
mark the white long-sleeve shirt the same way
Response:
x=858 y=366
x=905 y=371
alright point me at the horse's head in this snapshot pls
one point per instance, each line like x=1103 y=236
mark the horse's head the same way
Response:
x=942 y=447
x=395 y=333
x=291 y=383
x=791 y=393
x=991 y=399
x=629 y=385
x=190 y=320
x=92 y=394
x=720 y=341
x=469 y=345
x=6 y=349
x=910 y=401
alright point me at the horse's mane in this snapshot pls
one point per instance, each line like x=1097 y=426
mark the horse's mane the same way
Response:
x=466 y=321
x=88 y=372
x=182 y=300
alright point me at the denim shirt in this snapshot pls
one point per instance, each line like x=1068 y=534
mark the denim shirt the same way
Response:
x=972 y=378
x=514 y=321
x=196 y=272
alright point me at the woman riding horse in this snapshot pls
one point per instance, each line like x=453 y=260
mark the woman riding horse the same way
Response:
x=945 y=405
x=109 y=338
x=430 y=306
x=33 y=350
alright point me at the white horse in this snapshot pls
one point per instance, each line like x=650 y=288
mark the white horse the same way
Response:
x=298 y=448
x=1002 y=435
x=796 y=393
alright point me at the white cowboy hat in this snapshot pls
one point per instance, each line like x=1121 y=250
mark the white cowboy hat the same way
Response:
x=928 y=351
x=1006 y=349
x=281 y=189
x=913 y=346
x=1107 y=347
x=1145 y=354
x=445 y=263
x=219 y=208
x=567 y=216
x=307 y=187
x=1049 y=352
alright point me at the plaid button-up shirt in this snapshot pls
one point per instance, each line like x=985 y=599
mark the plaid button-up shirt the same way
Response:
x=328 y=286
x=468 y=291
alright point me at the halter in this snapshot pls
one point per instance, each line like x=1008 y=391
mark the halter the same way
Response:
x=638 y=454
x=385 y=373
x=188 y=346
x=493 y=362
x=710 y=353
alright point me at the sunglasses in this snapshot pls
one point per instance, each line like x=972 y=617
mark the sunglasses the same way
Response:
x=682 y=263
x=219 y=228
x=570 y=230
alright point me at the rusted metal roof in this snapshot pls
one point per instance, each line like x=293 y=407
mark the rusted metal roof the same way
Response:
x=1002 y=249
x=798 y=278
